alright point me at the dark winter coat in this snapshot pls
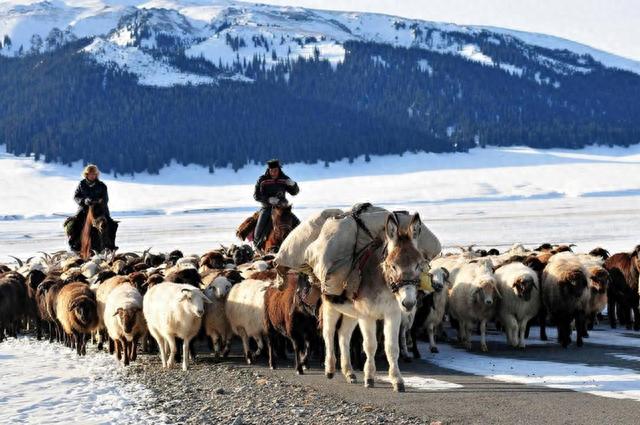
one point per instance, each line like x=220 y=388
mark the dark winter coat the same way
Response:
x=267 y=187
x=94 y=191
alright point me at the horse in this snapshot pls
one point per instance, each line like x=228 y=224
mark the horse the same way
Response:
x=388 y=288
x=283 y=221
x=96 y=232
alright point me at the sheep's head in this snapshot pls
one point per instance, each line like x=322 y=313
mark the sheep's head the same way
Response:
x=524 y=285
x=221 y=286
x=403 y=263
x=636 y=258
x=194 y=300
x=599 y=280
x=242 y=255
x=573 y=283
x=127 y=318
x=439 y=278
x=486 y=291
x=84 y=309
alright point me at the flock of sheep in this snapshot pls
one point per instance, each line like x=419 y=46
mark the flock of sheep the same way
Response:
x=120 y=300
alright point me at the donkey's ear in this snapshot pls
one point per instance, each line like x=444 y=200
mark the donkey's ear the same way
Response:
x=415 y=227
x=391 y=228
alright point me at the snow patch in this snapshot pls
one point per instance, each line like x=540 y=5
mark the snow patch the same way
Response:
x=604 y=381
x=473 y=53
x=46 y=383
x=423 y=66
x=512 y=69
x=150 y=71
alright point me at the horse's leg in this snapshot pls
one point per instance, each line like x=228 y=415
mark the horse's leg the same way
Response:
x=370 y=344
x=330 y=318
x=344 y=340
x=391 y=349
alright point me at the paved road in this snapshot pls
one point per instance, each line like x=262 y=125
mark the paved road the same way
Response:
x=479 y=400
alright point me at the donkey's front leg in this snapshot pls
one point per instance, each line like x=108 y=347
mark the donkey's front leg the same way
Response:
x=344 y=339
x=330 y=318
x=370 y=345
x=391 y=329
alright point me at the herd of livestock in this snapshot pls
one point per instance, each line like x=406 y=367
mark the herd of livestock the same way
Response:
x=168 y=302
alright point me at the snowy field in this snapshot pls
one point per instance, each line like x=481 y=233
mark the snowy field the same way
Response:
x=490 y=197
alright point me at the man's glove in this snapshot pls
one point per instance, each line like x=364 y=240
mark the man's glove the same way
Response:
x=290 y=183
x=87 y=201
x=273 y=200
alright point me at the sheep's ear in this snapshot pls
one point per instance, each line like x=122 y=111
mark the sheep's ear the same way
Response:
x=497 y=291
x=186 y=294
x=118 y=311
x=446 y=273
x=391 y=228
x=415 y=226
x=73 y=305
x=206 y=299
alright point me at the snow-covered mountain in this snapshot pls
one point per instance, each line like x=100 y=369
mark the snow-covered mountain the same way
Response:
x=133 y=34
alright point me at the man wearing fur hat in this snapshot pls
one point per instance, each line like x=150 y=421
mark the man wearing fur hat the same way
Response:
x=270 y=191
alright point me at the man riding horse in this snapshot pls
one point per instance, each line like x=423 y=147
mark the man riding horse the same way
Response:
x=270 y=191
x=91 y=193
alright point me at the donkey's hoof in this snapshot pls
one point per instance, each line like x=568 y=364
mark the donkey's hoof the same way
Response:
x=352 y=379
x=435 y=350
x=369 y=383
x=399 y=387
x=329 y=375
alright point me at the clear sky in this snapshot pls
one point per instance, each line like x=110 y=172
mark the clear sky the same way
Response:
x=610 y=25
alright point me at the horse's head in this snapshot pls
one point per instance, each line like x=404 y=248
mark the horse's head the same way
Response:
x=403 y=263
x=283 y=221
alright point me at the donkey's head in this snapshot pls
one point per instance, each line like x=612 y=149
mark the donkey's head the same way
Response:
x=403 y=263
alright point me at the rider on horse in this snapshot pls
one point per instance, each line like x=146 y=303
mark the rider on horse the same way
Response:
x=91 y=192
x=270 y=191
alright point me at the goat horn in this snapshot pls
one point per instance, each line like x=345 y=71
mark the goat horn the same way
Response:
x=20 y=263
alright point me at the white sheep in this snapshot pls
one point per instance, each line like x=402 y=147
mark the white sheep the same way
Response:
x=441 y=283
x=519 y=287
x=174 y=310
x=245 y=310
x=473 y=298
x=216 y=325
x=125 y=321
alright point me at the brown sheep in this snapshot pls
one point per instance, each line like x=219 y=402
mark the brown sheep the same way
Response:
x=623 y=296
x=284 y=314
x=13 y=298
x=76 y=310
x=565 y=295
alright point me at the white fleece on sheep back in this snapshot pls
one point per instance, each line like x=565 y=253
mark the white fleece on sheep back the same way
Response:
x=169 y=314
x=291 y=253
x=126 y=297
x=511 y=305
x=245 y=307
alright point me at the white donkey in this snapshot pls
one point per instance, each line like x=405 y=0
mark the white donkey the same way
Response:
x=389 y=287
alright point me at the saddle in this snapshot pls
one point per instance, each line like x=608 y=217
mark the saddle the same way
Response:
x=245 y=230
